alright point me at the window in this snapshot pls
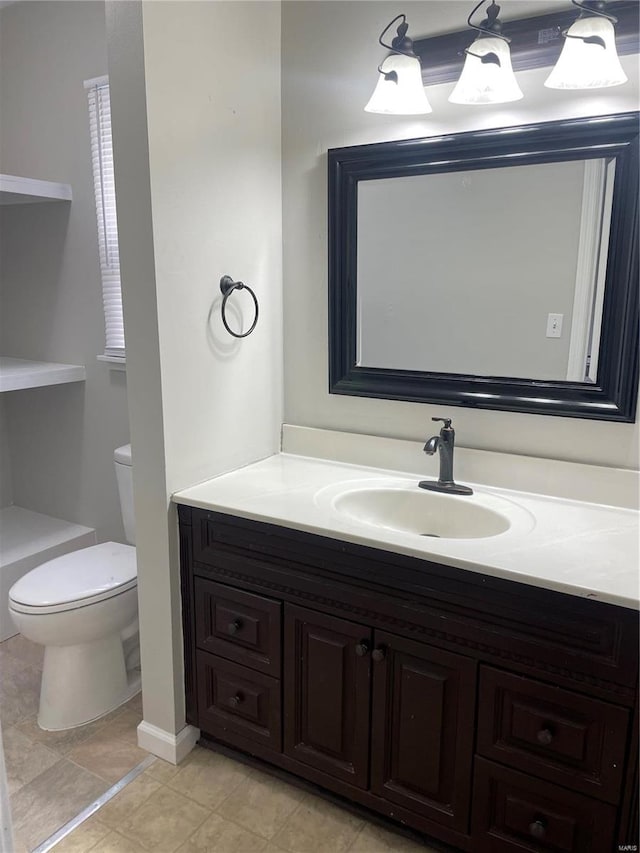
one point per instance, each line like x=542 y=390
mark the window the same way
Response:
x=104 y=186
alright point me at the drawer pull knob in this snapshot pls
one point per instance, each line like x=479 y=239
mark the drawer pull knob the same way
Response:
x=235 y=626
x=236 y=700
x=538 y=829
x=362 y=649
x=379 y=654
x=544 y=736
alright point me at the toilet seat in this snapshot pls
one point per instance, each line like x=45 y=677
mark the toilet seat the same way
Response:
x=76 y=580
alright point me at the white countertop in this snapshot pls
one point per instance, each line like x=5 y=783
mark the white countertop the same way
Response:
x=583 y=549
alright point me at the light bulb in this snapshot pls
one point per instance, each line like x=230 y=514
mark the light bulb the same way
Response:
x=404 y=94
x=588 y=64
x=487 y=82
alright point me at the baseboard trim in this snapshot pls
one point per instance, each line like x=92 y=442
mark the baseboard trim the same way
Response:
x=166 y=745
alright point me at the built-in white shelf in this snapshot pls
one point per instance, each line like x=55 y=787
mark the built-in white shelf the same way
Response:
x=16 y=190
x=29 y=539
x=18 y=373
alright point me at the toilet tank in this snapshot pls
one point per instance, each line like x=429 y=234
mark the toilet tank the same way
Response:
x=124 y=476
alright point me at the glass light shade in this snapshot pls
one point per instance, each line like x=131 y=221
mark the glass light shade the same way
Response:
x=588 y=66
x=407 y=96
x=487 y=83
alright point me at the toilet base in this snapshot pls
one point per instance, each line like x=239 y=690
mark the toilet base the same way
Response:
x=83 y=683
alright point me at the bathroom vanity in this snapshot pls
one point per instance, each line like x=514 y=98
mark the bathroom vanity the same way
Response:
x=487 y=712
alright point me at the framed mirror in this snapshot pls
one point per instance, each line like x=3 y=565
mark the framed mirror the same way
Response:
x=495 y=269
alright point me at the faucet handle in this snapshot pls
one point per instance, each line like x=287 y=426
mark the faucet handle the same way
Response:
x=445 y=421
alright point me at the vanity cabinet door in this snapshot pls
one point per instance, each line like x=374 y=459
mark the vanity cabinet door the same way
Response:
x=422 y=728
x=326 y=693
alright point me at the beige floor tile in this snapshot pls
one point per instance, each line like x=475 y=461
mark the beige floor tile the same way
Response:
x=375 y=839
x=26 y=651
x=19 y=690
x=64 y=741
x=123 y=727
x=55 y=796
x=121 y=807
x=318 y=827
x=261 y=804
x=163 y=771
x=222 y=836
x=208 y=778
x=84 y=838
x=106 y=755
x=116 y=843
x=164 y=822
x=24 y=759
x=19 y=846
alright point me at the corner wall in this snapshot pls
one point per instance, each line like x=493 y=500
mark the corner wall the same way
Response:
x=329 y=60
x=197 y=161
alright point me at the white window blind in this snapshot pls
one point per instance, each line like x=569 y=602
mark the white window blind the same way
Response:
x=104 y=187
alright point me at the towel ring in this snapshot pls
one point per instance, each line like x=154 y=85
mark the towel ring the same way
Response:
x=227 y=286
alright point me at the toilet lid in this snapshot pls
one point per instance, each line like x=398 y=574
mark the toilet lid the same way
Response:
x=99 y=571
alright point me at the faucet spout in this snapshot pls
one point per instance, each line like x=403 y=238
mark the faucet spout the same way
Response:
x=444 y=444
x=432 y=445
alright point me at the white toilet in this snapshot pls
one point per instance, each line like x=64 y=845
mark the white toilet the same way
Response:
x=83 y=608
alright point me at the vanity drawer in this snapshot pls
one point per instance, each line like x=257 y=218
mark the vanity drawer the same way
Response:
x=235 y=700
x=239 y=626
x=552 y=733
x=513 y=812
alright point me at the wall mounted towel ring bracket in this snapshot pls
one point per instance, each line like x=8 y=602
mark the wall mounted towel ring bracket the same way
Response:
x=227 y=286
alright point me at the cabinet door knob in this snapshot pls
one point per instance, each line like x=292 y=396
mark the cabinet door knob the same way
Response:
x=235 y=626
x=538 y=829
x=362 y=649
x=236 y=700
x=544 y=736
x=379 y=654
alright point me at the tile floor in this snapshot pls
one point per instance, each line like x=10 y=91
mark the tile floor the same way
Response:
x=208 y=804
x=212 y=804
x=52 y=776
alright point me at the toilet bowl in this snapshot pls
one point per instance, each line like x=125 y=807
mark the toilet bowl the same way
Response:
x=83 y=608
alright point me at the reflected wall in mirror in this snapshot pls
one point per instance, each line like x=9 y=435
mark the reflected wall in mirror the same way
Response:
x=501 y=270
x=495 y=269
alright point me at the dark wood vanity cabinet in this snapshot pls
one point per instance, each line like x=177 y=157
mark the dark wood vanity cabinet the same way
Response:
x=489 y=715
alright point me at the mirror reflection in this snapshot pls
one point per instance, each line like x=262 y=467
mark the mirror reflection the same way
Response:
x=494 y=272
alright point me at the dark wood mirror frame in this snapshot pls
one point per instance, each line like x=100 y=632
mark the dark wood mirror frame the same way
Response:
x=613 y=396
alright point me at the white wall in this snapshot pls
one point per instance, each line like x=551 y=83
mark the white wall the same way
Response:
x=61 y=438
x=196 y=128
x=330 y=55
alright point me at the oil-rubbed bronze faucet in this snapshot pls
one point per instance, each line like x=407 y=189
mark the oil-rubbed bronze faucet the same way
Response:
x=444 y=443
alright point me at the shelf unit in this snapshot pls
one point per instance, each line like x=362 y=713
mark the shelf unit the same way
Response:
x=19 y=373
x=17 y=190
x=29 y=539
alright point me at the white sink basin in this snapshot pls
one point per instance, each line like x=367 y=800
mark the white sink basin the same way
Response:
x=406 y=508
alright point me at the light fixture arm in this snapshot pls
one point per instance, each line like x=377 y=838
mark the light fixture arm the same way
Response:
x=401 y=44
x=594 y=10
x=491 y=26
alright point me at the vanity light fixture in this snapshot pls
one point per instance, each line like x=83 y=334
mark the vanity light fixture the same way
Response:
x=589 y=59
x=487 y=76
x=400 y=90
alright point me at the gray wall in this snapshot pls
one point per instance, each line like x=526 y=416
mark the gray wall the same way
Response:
x=329 y=61
x=61 y=438
x=457 y=272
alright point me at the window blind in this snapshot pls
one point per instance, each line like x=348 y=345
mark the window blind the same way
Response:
x=104 y=188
